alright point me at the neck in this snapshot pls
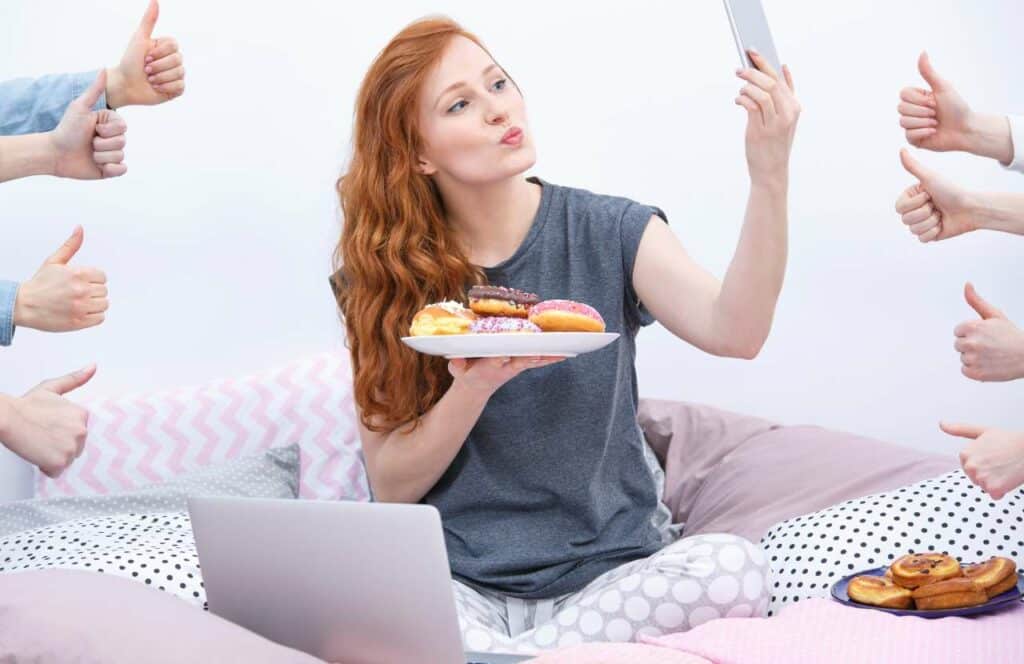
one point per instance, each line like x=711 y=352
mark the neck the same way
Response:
x=490 y=220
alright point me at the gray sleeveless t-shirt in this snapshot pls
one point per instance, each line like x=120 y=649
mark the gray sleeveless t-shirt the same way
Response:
x=550 y=488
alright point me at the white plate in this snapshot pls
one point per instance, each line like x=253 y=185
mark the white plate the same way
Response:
x=511 y=344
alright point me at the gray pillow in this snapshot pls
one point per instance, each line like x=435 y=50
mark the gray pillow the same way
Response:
x=270 y=474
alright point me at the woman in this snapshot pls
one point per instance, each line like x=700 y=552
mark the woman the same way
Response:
x=537 y=464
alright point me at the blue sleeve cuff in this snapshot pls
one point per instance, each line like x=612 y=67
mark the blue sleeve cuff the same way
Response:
x=8 y=294
x=32 y=106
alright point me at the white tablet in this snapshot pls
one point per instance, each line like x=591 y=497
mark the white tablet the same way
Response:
x=750 y=30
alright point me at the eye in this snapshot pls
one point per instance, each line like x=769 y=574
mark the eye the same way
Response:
x=458 y=106
x=500 y=84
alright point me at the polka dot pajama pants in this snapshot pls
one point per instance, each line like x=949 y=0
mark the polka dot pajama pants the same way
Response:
x=690 y=581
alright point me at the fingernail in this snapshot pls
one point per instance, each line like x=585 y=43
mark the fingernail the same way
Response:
x=739 y=71
x=149 y=70
x=149 y=58
x=149 y=78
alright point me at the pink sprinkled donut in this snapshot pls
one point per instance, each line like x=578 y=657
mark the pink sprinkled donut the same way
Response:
x=498 y=324
x=566 y=316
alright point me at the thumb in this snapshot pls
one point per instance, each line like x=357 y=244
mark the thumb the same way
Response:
x=92 y=93
x=913 y=166
x=928 y=73
x=67 y=250
x=979 y=304
x=149 y=18
x=962 y=430
x=71 y=381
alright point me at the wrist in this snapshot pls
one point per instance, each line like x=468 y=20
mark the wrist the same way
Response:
x=6 y=412
x=988 y=135
x=22 y=307
x=115 y=92
x=775 y=183
x=469 y=395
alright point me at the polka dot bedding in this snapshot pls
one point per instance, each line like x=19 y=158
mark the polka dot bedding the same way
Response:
x=947 y=514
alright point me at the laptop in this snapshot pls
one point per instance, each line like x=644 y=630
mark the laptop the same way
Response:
x=352 y=582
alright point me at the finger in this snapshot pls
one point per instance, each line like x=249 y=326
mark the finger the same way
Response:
x=113 y=170
x=67 y=250
x=71 y=381
x=92 y=320
x=931 y=234
x=979 y=304
x=762 y=64
x=961 y=345
x=172 y=89
x=96 y=305
x=163 y=64
x=930 y=222
x=915 y=110
x=918 y=215
x=109 y=144
x=918 y=96
x=789 y=78
x=92 y=93
x=917 y=136
x=962 y=430
x=91 y=275
x=162 y=47
x=97 y=290
x=115 y=127
x=112 y=157
x=911 y=122
x=758 y=78
x=762 y=98
x=175 y=74
x=912 y=198
x=964 y=329
x=924 y=65
x=149 y=18
x=913 y=166
x=753 y=111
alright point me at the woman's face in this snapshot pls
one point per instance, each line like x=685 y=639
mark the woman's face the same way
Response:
x=472 y=119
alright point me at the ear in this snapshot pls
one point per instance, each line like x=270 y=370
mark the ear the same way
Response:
x=425 y=167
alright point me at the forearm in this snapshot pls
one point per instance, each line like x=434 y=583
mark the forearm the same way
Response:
x=22 y=156
x=6 y=406
x=745 y=306
x=29 y=106
x=999 y=211
x=407 y=465
x=988 y=135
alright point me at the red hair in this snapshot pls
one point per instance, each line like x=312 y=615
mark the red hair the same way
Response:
x=396 y=253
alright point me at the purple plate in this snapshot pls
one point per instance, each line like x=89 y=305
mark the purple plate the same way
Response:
x=1001 y=601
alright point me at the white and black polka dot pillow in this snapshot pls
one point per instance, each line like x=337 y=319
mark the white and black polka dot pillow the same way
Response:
x=155 y=549
x=949 y=514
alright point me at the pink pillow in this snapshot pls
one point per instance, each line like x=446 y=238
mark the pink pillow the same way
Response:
x=56 y=616
x=818 y=630
x=617 y=653
x=135 y=441
x=731 y=473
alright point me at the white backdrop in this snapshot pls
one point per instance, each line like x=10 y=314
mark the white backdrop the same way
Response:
x=217 y=241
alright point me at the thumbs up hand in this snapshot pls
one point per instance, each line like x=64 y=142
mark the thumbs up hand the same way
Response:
x=937 y=118
x=88 y=144
x=150 y=71
x=993 y=460
x=935 y=208
x=61 y=297
x=992 y=348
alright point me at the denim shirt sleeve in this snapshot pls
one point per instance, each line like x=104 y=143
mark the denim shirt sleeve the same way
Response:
x=8 y=292
x=35 y=105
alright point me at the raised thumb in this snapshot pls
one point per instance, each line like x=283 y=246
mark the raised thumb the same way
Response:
x=980 y=304
x=71 y=381
x=67 y=250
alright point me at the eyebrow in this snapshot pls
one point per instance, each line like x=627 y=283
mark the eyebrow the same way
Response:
x=459 y=84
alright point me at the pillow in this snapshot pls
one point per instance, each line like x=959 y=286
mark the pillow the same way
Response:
x=56 y=616
x=135 y=441
x=617 y=653
x=825 y=631
x=729 y=473
x=271 y=474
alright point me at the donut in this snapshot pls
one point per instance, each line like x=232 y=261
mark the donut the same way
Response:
x=952 y=593
x=566 y=316
x=879 y=591
x=501 y=301
x=441 y=318
x=994 y=576
x=921 y=569
x=502 y=324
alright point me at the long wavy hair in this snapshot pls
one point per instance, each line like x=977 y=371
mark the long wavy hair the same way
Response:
x=397 y=252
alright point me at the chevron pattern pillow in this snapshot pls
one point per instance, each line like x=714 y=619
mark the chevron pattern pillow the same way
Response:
x=135 y=441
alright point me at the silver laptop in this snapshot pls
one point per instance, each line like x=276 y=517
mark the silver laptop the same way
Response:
x=360 y=583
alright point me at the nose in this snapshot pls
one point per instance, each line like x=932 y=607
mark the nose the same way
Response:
x=497 y=114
